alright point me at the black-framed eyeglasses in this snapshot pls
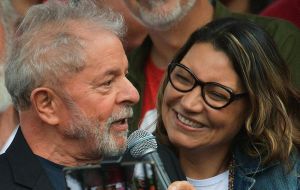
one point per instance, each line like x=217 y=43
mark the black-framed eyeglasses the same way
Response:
x=214 y=94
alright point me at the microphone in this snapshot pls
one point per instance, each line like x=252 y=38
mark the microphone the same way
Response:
x=142 y=145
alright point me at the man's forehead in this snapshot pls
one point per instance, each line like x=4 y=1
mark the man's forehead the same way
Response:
x=107 y=57
x=106 y=50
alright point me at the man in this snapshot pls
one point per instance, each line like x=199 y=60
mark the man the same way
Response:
x=284 y=9
x=21 y=6
x=169 y=24
x=67 y=78
x=136 y=32
x=8 y=115
x=246 y=6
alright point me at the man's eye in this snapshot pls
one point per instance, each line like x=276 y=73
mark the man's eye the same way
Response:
x=107 y=83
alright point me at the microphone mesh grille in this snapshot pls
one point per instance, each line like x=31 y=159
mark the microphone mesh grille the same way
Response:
x=141 y=142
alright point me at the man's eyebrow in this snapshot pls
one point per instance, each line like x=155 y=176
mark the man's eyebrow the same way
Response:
x=109 y=72
x=112 y=71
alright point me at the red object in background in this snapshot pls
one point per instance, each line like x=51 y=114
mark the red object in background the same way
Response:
x=285 y=9
x=153 y=78
x=60 y=0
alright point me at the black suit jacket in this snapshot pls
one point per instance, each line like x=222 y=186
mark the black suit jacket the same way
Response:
x=20 y=169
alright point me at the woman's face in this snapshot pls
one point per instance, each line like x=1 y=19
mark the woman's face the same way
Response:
x=189 y=121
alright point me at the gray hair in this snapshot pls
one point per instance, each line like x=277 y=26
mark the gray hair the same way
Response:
x=48 y=46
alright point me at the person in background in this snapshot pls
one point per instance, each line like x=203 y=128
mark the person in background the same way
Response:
x=169 y=24
x=285 y=9
x=228 y=109
x=66 y=65
x=136 y=32
x=12 y=12
x=246 y=6
x=8 y=115
x=21 y=6
x=16 y=9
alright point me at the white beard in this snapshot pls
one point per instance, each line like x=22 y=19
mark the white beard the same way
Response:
x=100 y=137
x=164 y=20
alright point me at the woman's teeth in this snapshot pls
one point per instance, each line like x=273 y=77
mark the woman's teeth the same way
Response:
x=189 y=122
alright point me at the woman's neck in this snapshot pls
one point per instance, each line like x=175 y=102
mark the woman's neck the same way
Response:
x=204 y=164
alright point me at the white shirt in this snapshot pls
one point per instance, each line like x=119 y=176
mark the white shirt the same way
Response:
x=9 y=140
x=219 y=182
x=149 y=121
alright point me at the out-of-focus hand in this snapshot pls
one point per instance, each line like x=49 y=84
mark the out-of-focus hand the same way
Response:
x=181 y=185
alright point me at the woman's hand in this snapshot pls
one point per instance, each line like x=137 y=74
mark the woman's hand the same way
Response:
x=181 y=185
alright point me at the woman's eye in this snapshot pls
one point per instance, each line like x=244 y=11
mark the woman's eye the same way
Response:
x=182 y=79
x=217 y=96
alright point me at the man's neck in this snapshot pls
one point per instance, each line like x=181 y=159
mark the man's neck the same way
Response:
x=49 y=142
x=166 y=43
x=63 y=151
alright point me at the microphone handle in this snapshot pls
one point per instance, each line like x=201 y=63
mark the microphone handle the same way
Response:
x=162 y=176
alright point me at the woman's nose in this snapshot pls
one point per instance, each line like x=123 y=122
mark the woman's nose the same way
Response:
x=193 y=100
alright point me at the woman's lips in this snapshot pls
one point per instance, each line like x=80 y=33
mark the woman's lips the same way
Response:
x=189 y=122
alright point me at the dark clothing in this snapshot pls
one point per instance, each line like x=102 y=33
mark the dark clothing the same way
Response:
x=55 y=173
x=286 y=36
x=171 y=164
x=169 y=160
x=20 y=169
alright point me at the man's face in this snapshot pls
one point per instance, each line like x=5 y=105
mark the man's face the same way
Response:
x=99 y=98
x=160 y=14
x=91 y=129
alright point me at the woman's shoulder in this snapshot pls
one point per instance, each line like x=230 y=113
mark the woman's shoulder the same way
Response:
x=274 y=175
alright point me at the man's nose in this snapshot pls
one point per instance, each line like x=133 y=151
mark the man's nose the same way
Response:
x=128 y=93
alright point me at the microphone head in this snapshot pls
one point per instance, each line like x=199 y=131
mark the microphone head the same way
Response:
x=140 y=143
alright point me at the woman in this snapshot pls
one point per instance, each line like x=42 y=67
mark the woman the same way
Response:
x=228 y=110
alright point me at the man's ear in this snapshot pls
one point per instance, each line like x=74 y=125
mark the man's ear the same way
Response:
x=46 y=103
